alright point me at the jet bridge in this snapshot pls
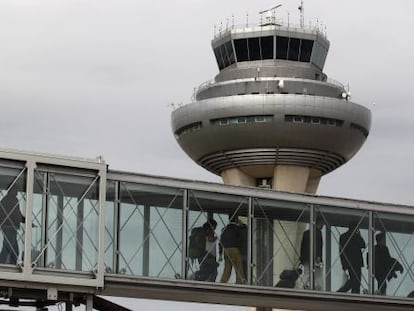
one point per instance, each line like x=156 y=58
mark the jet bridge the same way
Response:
x=72 y=230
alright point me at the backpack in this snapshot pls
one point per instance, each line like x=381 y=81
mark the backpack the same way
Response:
x=197 y=245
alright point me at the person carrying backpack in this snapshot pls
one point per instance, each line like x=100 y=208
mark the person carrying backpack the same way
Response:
x=203 y=244
x=385 y=267
x=230 y=245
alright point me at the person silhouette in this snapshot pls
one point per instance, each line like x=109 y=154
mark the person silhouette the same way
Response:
x=230 y=246
x=305 y=256
x=208 y=263
x=10 y=219
x=385 y=267
x=350 y=249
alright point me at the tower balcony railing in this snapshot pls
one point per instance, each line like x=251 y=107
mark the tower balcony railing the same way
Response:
x=335 y=82
x=202 y=87
x=224 y=30
x=207 y=84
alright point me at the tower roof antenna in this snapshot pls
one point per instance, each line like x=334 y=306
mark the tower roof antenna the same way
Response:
x=268 y=16
x=301 y=9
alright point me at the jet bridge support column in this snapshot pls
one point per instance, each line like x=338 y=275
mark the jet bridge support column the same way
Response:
x=289 y=178
x=89 y=303
x=299 y=180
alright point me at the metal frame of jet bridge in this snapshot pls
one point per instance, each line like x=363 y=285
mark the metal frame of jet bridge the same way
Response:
x=92 y=231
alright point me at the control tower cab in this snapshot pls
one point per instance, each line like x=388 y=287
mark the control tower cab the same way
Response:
x=271 y=114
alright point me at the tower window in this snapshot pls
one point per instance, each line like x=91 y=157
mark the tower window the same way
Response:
x=188 y=128
x=224 y=56
x=331 y=122
x=254 y=49
x=242 y=120
x=298 y=119
x=288 y=118
x=294 y=46
x=281 y=47
x=360 y=128
x=219 y=59
x=241 y=50
x=306 y=50
x=315 y=120
x=230 y=52
x=319 y=55
x=266 y=44
x=260 y=48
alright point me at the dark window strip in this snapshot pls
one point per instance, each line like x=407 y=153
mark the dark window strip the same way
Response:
x=313 y=120
x=359 y=128
x=189 y=128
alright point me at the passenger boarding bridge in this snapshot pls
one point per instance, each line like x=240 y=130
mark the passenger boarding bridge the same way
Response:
x=83 y=230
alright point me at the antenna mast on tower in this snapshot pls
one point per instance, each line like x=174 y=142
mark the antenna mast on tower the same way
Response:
x=301 y=9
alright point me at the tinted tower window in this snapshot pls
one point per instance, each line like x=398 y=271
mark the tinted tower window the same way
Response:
x=241 y=50
x=294 y=45
x=281 y=47
x=266 y=43
x=219 y=59
x=323 y=58
x=224 y=56
x=318 y=55
x=306 y=50
x=230 y=52
x=254 y=49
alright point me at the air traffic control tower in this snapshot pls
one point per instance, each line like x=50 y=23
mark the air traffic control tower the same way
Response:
x=271 y=117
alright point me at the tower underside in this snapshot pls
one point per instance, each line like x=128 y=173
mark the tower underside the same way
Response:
x=258 y=131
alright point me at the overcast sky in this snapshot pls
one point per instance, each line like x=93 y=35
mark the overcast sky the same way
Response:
x=96 y=77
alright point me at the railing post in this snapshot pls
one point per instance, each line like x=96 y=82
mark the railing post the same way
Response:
x=45 y=221
x=249 y=242
x=328 y=257
x=371 y=231
x=79 y=235
x=116 y=227
x=184 y=251
x=59 y=234
x=312 y=248
x=27 y=265
x=100 y=269
x=146 y=236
